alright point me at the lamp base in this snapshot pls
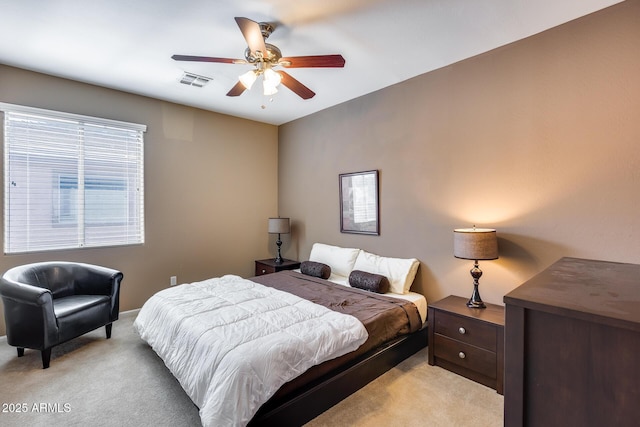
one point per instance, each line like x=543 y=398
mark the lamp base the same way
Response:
x=278 y=259
x=475 y=304
x=475 y=301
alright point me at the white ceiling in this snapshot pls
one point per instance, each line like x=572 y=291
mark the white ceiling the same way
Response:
x=127 y=44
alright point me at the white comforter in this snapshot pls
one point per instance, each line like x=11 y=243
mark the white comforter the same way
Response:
x=233 y=343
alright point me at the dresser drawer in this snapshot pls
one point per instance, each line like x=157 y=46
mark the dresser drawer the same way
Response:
x=465 y=355
x=466 y=330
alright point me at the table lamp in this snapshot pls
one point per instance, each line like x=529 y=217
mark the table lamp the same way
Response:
x=279 y=226
x=475 y=244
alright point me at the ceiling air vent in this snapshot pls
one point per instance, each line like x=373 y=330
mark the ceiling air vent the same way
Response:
x=194 y=80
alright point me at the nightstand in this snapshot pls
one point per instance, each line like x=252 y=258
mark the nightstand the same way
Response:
x=468 y=341
x=267 y=266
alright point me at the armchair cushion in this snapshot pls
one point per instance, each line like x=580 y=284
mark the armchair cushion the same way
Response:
x=67 y=306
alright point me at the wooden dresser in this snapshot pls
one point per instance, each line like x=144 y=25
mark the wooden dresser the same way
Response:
x=467 y=341
x=572 y=346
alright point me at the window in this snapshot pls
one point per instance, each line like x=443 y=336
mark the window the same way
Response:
x=71 y=181
x=105 y=200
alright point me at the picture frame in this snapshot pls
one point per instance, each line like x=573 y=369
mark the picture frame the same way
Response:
x=359 y=204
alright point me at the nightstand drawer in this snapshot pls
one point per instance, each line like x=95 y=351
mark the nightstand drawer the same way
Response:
x=264 y=269
x=465 y=355
x=467 y=330
x=268 y=266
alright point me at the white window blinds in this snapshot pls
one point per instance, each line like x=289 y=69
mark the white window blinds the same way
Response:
x=71 y=181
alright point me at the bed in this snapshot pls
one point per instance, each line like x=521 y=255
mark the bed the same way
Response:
x=281 y=348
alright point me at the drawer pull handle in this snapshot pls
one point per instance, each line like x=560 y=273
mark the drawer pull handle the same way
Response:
x=461 y=355
x=462 y=330
x=264 y=271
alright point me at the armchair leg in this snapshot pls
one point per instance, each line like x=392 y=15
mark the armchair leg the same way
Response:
x=46 y=357
x=108 y=328
x=20 y=351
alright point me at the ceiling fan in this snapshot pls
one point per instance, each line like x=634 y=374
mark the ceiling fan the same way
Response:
x=265 y=57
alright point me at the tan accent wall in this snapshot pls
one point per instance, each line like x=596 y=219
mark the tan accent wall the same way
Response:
x=539 y=139
x=210 y=185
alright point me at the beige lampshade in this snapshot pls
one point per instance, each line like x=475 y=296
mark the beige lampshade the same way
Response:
x=279 y=226
x=475 y=243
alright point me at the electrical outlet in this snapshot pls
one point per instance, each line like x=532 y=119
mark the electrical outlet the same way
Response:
x=174 y=280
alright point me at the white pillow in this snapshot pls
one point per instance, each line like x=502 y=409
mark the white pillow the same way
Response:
x=340 y=260
x=399 y=271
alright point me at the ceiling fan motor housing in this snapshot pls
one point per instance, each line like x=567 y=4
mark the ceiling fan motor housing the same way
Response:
x=266 y=29
x=272 y=55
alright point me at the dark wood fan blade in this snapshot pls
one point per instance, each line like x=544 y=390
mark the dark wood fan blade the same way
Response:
x=252 y=34
x=206 y=59
x=237 y=90
x=328 y=61
x=301 y=90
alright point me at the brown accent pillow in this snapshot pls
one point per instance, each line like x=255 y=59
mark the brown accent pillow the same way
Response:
x=369 y=281
x=315 y=269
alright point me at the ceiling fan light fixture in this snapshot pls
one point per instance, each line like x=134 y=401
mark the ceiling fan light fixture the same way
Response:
x=270 y=83
x=269 y=89
x=272 y=78
x=247 y=79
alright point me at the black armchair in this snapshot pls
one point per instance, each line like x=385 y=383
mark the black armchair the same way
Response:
x=48 y=303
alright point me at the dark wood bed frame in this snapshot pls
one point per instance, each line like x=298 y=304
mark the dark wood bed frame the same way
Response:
x=303 y=405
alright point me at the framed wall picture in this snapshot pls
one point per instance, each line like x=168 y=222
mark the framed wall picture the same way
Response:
x=359 y=208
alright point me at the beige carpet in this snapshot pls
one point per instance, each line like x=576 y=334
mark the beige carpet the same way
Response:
x=121 y=382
